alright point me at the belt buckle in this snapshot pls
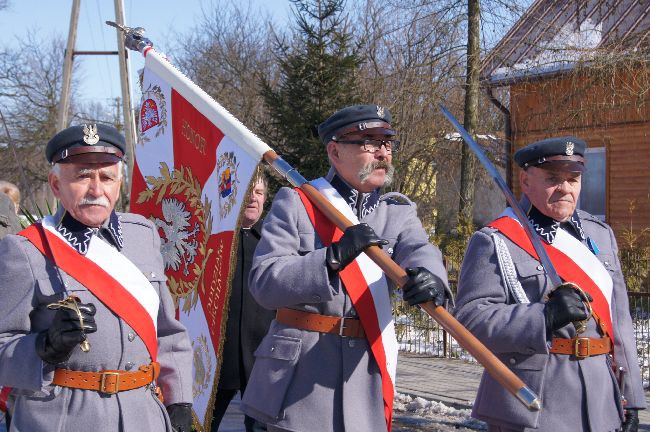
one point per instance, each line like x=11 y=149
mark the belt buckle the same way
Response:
x=576 y=347
x=342 y=327
x=102 y=384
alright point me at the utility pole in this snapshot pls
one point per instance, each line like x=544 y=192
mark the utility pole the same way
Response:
x=117 y=114
x=70 y=53
x=64 y=103
x=129 y=124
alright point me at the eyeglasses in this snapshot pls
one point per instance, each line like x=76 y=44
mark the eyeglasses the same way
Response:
x=373 y=145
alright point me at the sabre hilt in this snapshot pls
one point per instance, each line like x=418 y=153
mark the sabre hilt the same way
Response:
x=71 y=303
x=580 y=325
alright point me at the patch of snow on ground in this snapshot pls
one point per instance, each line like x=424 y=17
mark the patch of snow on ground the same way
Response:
x=435 y=410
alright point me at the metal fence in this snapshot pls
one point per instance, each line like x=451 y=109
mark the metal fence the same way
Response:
x=640 y=311
x=418 y=333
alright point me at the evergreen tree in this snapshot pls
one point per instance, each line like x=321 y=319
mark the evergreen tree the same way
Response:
x=317 y=76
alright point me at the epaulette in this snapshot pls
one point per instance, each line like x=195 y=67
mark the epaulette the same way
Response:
x=136 y=219
x=488 y=230
x=585 y=216
x=396 y=198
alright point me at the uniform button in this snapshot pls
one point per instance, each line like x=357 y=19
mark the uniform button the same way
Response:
x=512 y=360
x=129 y=365
x=131 y=336
x=606 y=263
x=153 y=275
x=272 y=349
x=389 y=251
x=540 y=268
x=316 y=297
x=351 y=343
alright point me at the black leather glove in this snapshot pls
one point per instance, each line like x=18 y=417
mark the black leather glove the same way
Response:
x=355 y=239
x=423 y=286
x=565 y=305
x=55 y=344
x=180 y=416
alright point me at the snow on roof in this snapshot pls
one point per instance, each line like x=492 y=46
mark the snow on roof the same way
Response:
x=455 y=136
x=554 y=35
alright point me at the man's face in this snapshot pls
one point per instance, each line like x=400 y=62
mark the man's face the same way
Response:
x=88 y=191
x=255 y=205
x=554 y=193
x=364 y=171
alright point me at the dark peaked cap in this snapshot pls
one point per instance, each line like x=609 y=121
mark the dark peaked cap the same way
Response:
x=355 y=118
x=564 y=153
x=94 y=143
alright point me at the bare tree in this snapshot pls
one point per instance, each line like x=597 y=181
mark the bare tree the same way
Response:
x=30 y=85
x=412 y=62
x=227 y=54
x=414 y=56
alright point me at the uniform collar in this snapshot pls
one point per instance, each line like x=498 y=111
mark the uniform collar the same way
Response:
x=547 y=227
x=362 y=204
x=79 y=235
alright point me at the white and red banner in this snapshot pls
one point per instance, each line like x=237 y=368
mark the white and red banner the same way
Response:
x=193 y=167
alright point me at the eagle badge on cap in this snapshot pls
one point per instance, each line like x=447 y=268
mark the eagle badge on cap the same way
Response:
x=380 y=111
x=91 y=137
x=569 y=148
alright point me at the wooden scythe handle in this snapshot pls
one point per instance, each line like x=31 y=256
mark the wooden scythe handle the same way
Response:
x=467 y=340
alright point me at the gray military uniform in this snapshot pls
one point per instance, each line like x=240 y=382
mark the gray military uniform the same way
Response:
x=576 y=395
x=29 y=282
x=305 y=380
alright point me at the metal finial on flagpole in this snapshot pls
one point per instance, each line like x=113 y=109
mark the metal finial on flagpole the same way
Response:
x=133 y=36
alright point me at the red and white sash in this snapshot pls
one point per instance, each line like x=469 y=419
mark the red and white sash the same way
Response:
x=106 y=273
x=573 y=261
x=360 y=278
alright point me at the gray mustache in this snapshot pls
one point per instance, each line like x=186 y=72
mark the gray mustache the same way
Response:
x=376 y=164
x=100 y=201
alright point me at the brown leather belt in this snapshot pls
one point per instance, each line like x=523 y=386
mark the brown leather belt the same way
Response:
x=581 y=347
x=107 y=381
x=348 y=327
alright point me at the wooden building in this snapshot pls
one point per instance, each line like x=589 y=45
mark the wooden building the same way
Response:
x=582 y=68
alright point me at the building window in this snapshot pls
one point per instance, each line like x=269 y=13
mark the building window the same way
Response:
x=592 y=197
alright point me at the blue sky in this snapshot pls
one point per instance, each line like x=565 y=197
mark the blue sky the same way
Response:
x=99 y=75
